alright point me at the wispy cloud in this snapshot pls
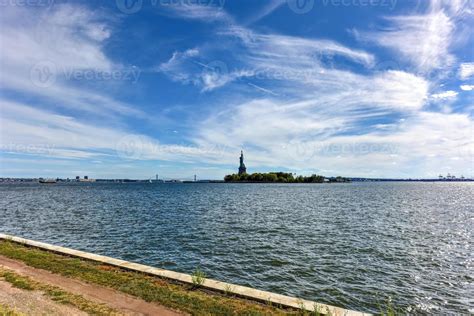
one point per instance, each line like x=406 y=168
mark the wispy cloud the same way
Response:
x=272 y=56
x=70 y=36
x=300 y=137
x=326 y=122
x=212 y=11
x=267 y=9
x=445 y=95
x=424 y=40
x=66 y=137
x=466 y=70
x=55 y=44
x=303 y=103
x=296 y=49
x=186 y=68
x=31 y=131
x=466 y=87
x=176 y=66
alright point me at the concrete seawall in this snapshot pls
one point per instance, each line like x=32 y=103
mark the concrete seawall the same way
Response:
x=241 y=291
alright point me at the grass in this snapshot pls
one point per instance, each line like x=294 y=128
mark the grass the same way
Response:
x=195 y=301
x=389 y=309
x=56 y=294
x=5 y=311
x=190 y=299
x=16 y=281
x=198 y=277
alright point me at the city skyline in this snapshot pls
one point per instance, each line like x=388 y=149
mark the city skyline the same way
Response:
x=128 y=89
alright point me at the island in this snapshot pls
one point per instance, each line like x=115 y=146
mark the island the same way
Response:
x=277 y=177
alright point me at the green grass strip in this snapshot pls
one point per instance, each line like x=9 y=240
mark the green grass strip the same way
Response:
x=151 y=289
x=56 y=294
x=5 y=311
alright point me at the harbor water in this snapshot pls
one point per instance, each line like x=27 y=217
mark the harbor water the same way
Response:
x=352 y=245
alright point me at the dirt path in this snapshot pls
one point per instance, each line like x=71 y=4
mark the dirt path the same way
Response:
x=124 y=303
x=33 y=302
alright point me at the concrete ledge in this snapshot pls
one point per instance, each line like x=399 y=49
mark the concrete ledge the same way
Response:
x=242 y=291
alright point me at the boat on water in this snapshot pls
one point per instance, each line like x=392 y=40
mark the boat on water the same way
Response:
x=87 y=180
x=47 y=181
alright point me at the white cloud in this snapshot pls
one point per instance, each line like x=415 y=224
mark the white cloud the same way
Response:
x=302 y=137
x=51 y=45
x=212 y=79
x=325 y=103
x=296 y=49
x=315 y=113
x=290 y=65
x=453 y=7
x=28 y=130
x=70 y=36
x=268 y=8
x=466 y=70
x=445 y=95
x=466 y=87
x=424 y=40
x=211 y=12
x=22 y=124
x=298 y=67
x=397 y=90
x=186 y=68
x=275 y=57
x=176 y=66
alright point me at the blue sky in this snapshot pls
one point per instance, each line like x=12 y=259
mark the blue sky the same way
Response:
x=134 y=88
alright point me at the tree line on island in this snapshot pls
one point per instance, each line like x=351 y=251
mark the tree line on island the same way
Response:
x=280 y=177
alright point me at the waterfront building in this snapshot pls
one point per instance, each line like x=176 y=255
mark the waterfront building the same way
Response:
x=242 y=168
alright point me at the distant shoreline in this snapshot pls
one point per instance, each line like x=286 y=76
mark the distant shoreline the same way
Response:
x=130 y=181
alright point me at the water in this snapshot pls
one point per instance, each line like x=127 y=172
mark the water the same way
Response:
x=350 y=245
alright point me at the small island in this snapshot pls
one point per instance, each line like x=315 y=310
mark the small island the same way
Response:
x=277 y=177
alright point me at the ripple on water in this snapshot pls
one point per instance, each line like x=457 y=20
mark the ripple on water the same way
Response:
x=351 y=245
